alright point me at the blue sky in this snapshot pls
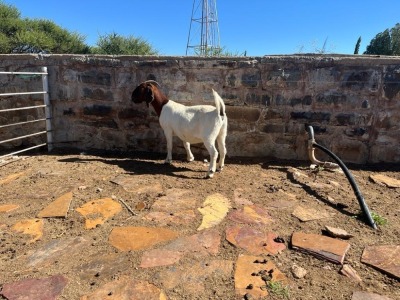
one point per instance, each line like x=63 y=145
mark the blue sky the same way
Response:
x=259 y=27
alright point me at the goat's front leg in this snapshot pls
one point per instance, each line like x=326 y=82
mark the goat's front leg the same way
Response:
x=189 y=154
x=213 y=158
x=168 y=136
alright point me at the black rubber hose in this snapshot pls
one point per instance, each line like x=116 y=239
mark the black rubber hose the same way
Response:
x=353 y=184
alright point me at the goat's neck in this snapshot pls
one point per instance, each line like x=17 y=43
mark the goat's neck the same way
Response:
x=159 y=101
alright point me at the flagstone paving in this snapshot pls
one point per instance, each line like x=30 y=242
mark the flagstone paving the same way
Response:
x=253 y=232
x=43 y=288
x=58 y=208
x=384 y=257
x=320 y=246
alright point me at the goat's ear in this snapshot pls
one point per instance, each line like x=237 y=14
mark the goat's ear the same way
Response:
x=150 y=95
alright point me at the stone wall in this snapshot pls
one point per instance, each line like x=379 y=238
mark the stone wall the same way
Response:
x=353 y=102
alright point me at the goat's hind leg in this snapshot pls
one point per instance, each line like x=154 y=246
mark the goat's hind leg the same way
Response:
x=222 y=148
x=189 y=154
x=213 y=159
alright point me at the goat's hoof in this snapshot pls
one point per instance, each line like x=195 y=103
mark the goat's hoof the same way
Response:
x=189 y=159
x=167 y=161
x=210 y=174
x=220 y=169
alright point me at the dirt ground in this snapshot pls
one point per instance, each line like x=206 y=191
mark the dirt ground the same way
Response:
x=260 y=180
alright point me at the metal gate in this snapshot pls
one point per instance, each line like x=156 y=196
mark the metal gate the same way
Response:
x=45 y=106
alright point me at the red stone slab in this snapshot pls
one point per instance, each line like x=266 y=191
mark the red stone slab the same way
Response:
x=192 y=276
x=131 y=183
x=8 y=207
x=127 y=288
x=98 y=211
x=12 y=177
x=139 y=238
x=45 y=288
x=199 y=245
x=320 y=246
x=385 y=258
x=57 y=208
x=57 y=250
x=32 y=227
x=368 y=296
x=247 y=266
x=175 y=200
x=239 y=198
x=385 y=180
x=184 y=217
x=309 y=214
x=254 y=240
x=104 y=265
x=251 y=214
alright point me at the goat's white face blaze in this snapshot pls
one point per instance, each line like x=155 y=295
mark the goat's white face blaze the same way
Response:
x=192 y=124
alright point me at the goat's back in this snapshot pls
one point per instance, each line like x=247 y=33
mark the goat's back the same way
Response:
x=191 y=123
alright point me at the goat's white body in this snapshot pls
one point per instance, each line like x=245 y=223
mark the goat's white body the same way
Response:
x=196 y=124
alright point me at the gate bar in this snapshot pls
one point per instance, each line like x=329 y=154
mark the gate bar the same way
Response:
x=26 y=149
x=22 y=137
x=22 y=123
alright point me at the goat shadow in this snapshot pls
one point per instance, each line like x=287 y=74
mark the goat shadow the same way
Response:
x=141 y=163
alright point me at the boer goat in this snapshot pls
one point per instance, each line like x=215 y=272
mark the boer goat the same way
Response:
x=192 y=124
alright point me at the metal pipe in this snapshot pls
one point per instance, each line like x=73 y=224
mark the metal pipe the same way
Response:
x=23 y=150
x=353 y=184
x=22 y=108
x=22 y=137
x=22 y=93
x=47 y=109
x=22 y=123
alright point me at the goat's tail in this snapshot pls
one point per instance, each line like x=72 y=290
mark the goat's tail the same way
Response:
x=219 y=103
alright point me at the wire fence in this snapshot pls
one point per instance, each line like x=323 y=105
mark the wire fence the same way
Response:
x=45 y=106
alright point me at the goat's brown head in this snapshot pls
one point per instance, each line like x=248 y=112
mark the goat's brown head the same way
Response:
x=144 y=92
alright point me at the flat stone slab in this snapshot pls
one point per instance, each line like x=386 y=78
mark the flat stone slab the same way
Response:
x=12 y=177
x=368 y=296
x=239 y=198
x=8 y=207
x=98 y=211
x=309 y=214
x=45 y=288
x=57 y=250
x=58 y=208
x=199 y=245
x=214 y=210
x=131 y=183
x=101 y=266
x=249 y=271
x=192 y=276
x=385 y=180
x=32 y=227
x=322 y=247
x=349 y=271
x=338 y=232
x=253 y=240
x=139 y=238
x=251 y=214
x=127 y=288
x=184 y=217
x=385 y=258
x=175 y=200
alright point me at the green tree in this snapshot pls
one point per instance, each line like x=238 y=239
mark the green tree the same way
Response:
x=357 y=48
x=35 y=35
x=115 y=44
x=386 y=42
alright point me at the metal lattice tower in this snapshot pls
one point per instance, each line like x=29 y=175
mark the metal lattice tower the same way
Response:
x=203 y=39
